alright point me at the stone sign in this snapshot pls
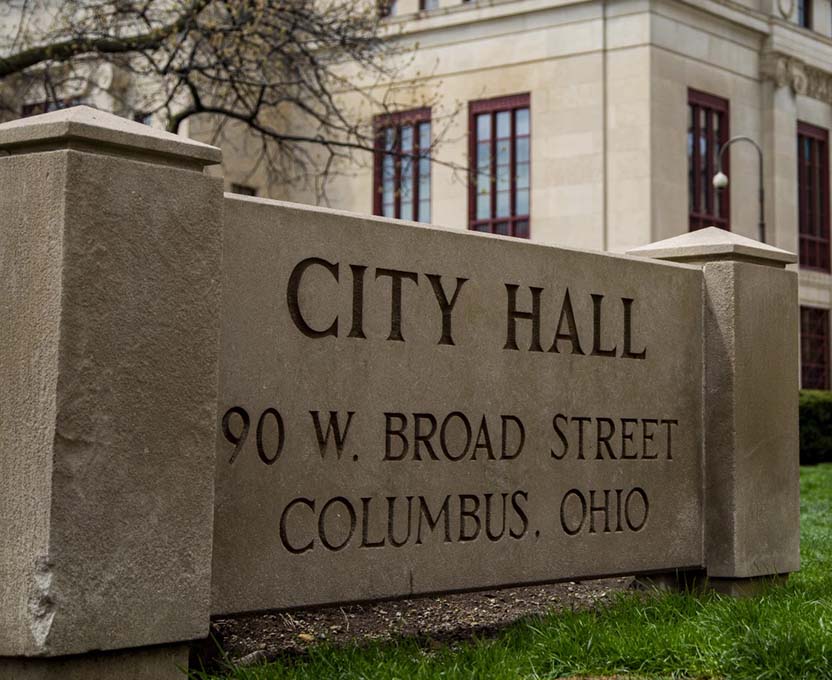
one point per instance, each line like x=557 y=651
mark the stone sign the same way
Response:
x=407 y=409
x=215 y=405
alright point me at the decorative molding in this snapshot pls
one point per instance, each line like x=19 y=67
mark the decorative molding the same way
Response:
x=786 y=8
x=788 y=71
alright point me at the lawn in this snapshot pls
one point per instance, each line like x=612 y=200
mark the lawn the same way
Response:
x=784 y=633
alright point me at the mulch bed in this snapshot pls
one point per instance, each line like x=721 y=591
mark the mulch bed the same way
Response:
x=433 y=621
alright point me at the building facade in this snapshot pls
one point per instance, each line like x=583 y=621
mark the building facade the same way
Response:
x=597 y=124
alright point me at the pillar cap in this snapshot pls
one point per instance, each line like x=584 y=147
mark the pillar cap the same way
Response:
x=711 y=244
x=90 y=129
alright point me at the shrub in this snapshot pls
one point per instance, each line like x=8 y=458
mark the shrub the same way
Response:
x=815 y=427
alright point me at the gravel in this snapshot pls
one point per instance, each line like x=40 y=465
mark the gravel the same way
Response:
x=259 y=638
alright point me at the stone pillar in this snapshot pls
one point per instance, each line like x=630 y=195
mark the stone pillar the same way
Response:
x=752 y=494
x=110 y=246
x=779 y=125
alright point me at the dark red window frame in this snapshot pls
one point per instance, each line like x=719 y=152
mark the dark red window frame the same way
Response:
x=709 y=121
x=514 y=224
x=814 y=348
x=813 y=196
x=397 y=121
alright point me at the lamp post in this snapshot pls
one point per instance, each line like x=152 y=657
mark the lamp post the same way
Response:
x=720 y=179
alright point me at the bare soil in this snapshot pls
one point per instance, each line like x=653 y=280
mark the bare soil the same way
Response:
x=432 y=620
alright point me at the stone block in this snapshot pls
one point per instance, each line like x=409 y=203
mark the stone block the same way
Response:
x=434 y=486
x=752 y=520
x=109 y=261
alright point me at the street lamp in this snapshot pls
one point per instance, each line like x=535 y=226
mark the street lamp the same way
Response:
x=720 y=179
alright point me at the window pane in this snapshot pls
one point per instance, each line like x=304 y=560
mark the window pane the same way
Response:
x=424 y=137
x=484 y=157
x=484 y=126
x=483 y=206
x=522 y=202
x=424 y=211
x=522 y=121
x=501 y=228
x=521 y=229
x=424 y=185
x=503 y=204
x=503 y=178
x=503 y=124
x=388 y=186
x=522 y=175
x=407 y=139
x=502 y=152
x=522 y=149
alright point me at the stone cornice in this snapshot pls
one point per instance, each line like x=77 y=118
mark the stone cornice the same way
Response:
x=788 y=71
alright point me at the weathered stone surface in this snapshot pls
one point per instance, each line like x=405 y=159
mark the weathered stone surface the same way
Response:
x=165 y=662
x=108 y=361
x=751 y=419
x=310 y=524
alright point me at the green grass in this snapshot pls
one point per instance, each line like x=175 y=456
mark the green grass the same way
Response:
x=784 y=633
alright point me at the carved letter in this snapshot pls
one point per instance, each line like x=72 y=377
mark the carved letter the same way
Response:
x=424 y=511
x=630 y=523
x=322 y=523
x=390 y=433
x=292 y=297
x=567 y=315
x=597 y=329
x=627 y=436
x=443 y=435
x=521 y=513
x=333 y=428
x=513 y=315
x=483 y=441
x=284 y=538
x=628 y=333
x=357 y=330
x=569 y=531
x=464 y=513
x=669 y=423
x=604 y=439
x=365 y=526
x=391 y=523
x=445 y=307
x=560 y=435
x=396 y=276
x=504 y=455
x=605 y=508
x=420 y=437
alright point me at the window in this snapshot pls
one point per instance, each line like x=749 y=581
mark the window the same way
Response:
x=813 y=196
x=804 y=13
x=707 y=132
x=814 y=348
x=387 y=8
x=243 y=190
x=401 y=186
x=428 y=4
x=500 y=153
